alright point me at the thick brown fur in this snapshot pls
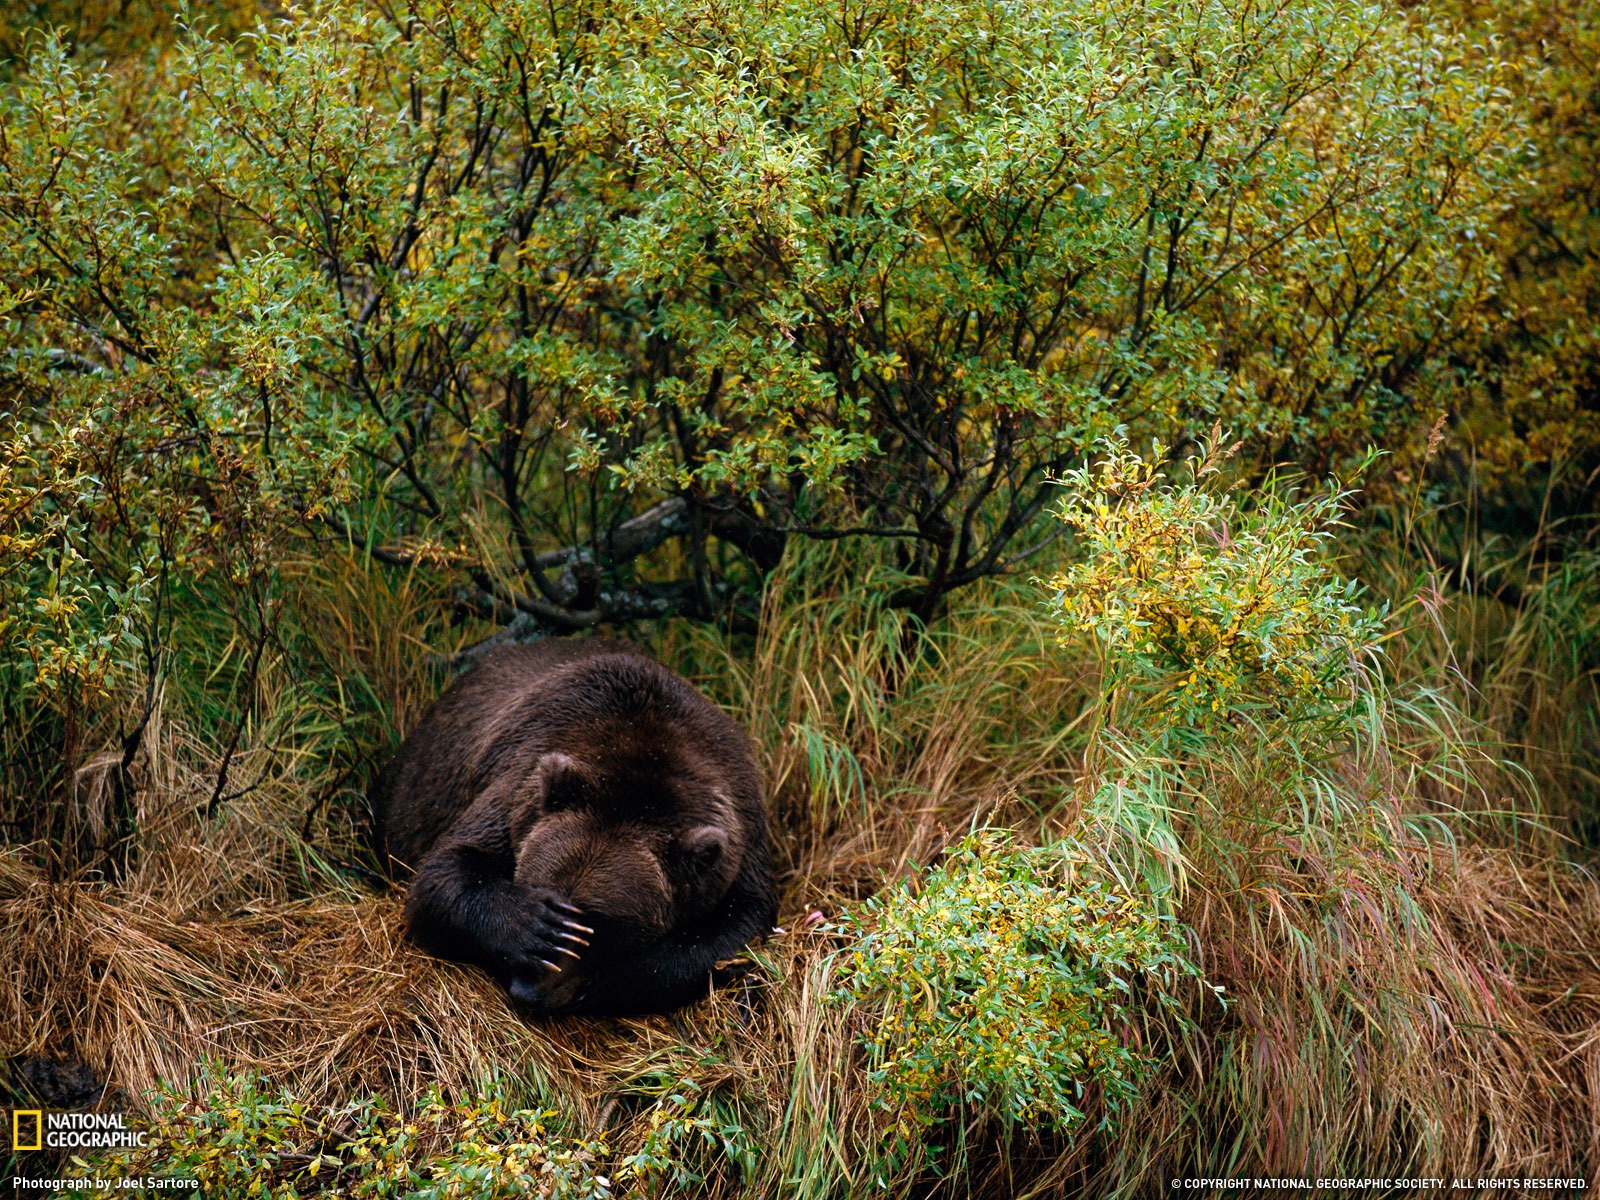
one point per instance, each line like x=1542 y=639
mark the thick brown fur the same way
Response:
x=583 y=824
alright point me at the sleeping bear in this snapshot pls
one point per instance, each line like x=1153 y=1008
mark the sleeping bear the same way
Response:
x=583 y=824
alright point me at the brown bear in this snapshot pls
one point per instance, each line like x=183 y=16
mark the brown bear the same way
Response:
x=583 y=824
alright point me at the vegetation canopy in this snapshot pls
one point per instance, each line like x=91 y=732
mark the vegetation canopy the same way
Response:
x=600 y=305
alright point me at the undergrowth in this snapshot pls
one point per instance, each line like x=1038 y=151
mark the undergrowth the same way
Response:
x=246 y=1138
x=1407 y=990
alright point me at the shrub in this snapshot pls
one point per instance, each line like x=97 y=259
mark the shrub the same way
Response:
x=247 y=1138
x=1228 y=649
x=579 y=283
x=1207 y=613
x=1004 y=984
x=1528 y=408
x=592 y=308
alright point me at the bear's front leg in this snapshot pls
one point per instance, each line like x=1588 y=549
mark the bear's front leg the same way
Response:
x=464 y=905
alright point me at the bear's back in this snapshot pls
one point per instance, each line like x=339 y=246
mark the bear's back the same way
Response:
x=579 y=696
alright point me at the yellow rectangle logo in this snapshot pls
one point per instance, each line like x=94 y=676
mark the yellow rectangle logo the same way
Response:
x=17 y=1115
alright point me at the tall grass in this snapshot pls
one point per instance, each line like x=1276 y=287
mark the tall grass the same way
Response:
x=883 y=739
x=1316 y=816
x=1524 y=672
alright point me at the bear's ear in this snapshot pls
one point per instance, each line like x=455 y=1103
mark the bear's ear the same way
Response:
x=704 y=846
x=560 y=783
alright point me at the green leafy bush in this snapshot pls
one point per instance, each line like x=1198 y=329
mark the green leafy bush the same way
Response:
x=1252 y=758
x=1529 y=405
x=1004 y=983
x=247 y=1138
x=589 y=309
x=1207 y=612
x=540 y=269
x=684 y=1141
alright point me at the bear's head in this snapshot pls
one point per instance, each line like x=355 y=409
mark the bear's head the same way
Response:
x=638 y=842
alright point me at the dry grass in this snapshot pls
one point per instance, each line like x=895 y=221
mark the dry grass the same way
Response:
x=1492 y=1065
x=1422 y=1014
x=1396 y=1004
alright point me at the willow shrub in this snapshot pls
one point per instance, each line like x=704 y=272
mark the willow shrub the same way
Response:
x=1530 y=404
x=248 y=1138
x=592 y=307
x=1003 y=985
x=1236 y=664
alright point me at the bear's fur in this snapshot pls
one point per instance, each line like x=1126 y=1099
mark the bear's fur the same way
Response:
x=583 y=824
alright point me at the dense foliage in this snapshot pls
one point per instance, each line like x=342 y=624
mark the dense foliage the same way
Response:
x=1204 y=610
x=860 y=360
x=597 y=306
x=1233 y=657
x=1535 y=421
x=247 y=1139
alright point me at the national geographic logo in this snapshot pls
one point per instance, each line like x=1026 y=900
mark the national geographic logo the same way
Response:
x=36 y=1129
x=27 y=1129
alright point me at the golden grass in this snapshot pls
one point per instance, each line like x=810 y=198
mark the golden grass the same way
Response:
x=325 y=997
x=1454 y=1035
x=1492 y=1066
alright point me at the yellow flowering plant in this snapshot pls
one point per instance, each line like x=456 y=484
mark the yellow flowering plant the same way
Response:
x=1235 y=661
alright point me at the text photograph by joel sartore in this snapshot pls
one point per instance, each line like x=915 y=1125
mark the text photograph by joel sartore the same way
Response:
x=799 y=599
